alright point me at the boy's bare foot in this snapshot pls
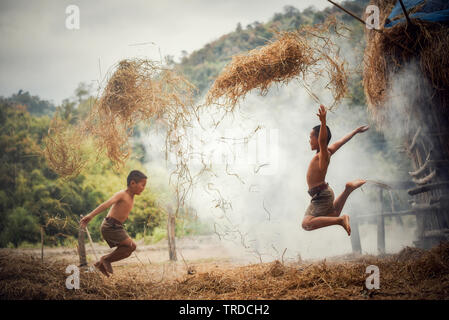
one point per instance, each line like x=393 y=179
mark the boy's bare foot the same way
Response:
x=345 y=224
x=107 y=265
x=100 y=266
x=352 y=185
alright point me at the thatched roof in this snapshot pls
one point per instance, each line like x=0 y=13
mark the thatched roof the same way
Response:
x=387 y=52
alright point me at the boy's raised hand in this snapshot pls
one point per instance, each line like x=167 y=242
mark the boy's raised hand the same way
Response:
x=322 y=113
x=362 y=129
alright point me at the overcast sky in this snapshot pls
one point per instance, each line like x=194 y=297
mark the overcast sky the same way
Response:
x=40 y=55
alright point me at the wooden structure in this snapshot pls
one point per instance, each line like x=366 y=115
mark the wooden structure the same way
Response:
x=426 y=133
x=429 y=229
x=428 y=150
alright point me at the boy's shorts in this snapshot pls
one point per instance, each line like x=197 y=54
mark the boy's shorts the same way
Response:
x=322 y=203
x=113 y=232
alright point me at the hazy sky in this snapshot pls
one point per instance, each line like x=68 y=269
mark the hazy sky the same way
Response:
x=40 y=55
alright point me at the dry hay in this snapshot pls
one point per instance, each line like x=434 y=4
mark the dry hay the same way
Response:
x=426 y=43
x=411 y=274
x=64 y=148
x=300 y=54
x=138 y=91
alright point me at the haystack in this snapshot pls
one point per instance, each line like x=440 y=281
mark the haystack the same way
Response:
x=386 y=53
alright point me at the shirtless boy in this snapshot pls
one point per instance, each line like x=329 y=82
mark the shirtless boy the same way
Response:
x=323 y=211
x=112 y=228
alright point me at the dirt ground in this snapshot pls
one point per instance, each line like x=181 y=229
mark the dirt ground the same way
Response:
x=210 y=270
x=198 y=248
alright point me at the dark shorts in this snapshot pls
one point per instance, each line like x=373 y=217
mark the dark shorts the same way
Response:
x=113 y=232
x=322 y=203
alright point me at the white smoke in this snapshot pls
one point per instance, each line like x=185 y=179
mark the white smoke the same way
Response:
x=256 y=192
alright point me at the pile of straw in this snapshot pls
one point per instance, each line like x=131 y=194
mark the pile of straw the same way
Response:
x=411 y=274
x=300 y=54
x=426 y=43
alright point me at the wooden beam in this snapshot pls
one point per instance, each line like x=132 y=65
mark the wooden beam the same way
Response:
x=428 y=187
x=419 y=170
x=425 y=179
x=405 y=12
x=418 y=210
x=415 y=137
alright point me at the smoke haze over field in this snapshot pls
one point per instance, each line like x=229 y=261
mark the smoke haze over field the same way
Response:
x=260 y=207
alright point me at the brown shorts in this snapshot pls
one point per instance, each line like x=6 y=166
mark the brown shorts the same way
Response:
x=113 y=232
x=322 y=203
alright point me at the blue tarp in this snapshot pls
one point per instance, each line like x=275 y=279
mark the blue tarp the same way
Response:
x=430 y=10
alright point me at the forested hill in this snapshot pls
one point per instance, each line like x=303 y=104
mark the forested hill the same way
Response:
x=202 y=66
x=33 y=104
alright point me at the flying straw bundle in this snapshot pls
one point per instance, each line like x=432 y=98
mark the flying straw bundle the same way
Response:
x=386 y=53
x=280 y=61
x=138 y=90
x=63 y=148
x=308 y=51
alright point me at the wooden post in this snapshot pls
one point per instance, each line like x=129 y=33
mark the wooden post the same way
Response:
x=171 y=235
x=355 y=236
x=381 y=226
x=42 y=243
x=81 y=246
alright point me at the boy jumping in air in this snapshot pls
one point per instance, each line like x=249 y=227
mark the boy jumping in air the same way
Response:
x=323 y=211
x=112 y=228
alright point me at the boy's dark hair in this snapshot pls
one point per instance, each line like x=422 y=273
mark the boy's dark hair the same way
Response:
x=136 y=176
x=316 y=130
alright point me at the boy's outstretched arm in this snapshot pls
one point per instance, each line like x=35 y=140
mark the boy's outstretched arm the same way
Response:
x=115 y=198
x=322 y=138
x=336 y=145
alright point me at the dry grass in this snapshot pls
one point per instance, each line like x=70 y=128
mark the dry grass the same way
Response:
x=411 y=274
x=427 y=43
x=138 y=91
x=306 y=53
x=64 y=148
